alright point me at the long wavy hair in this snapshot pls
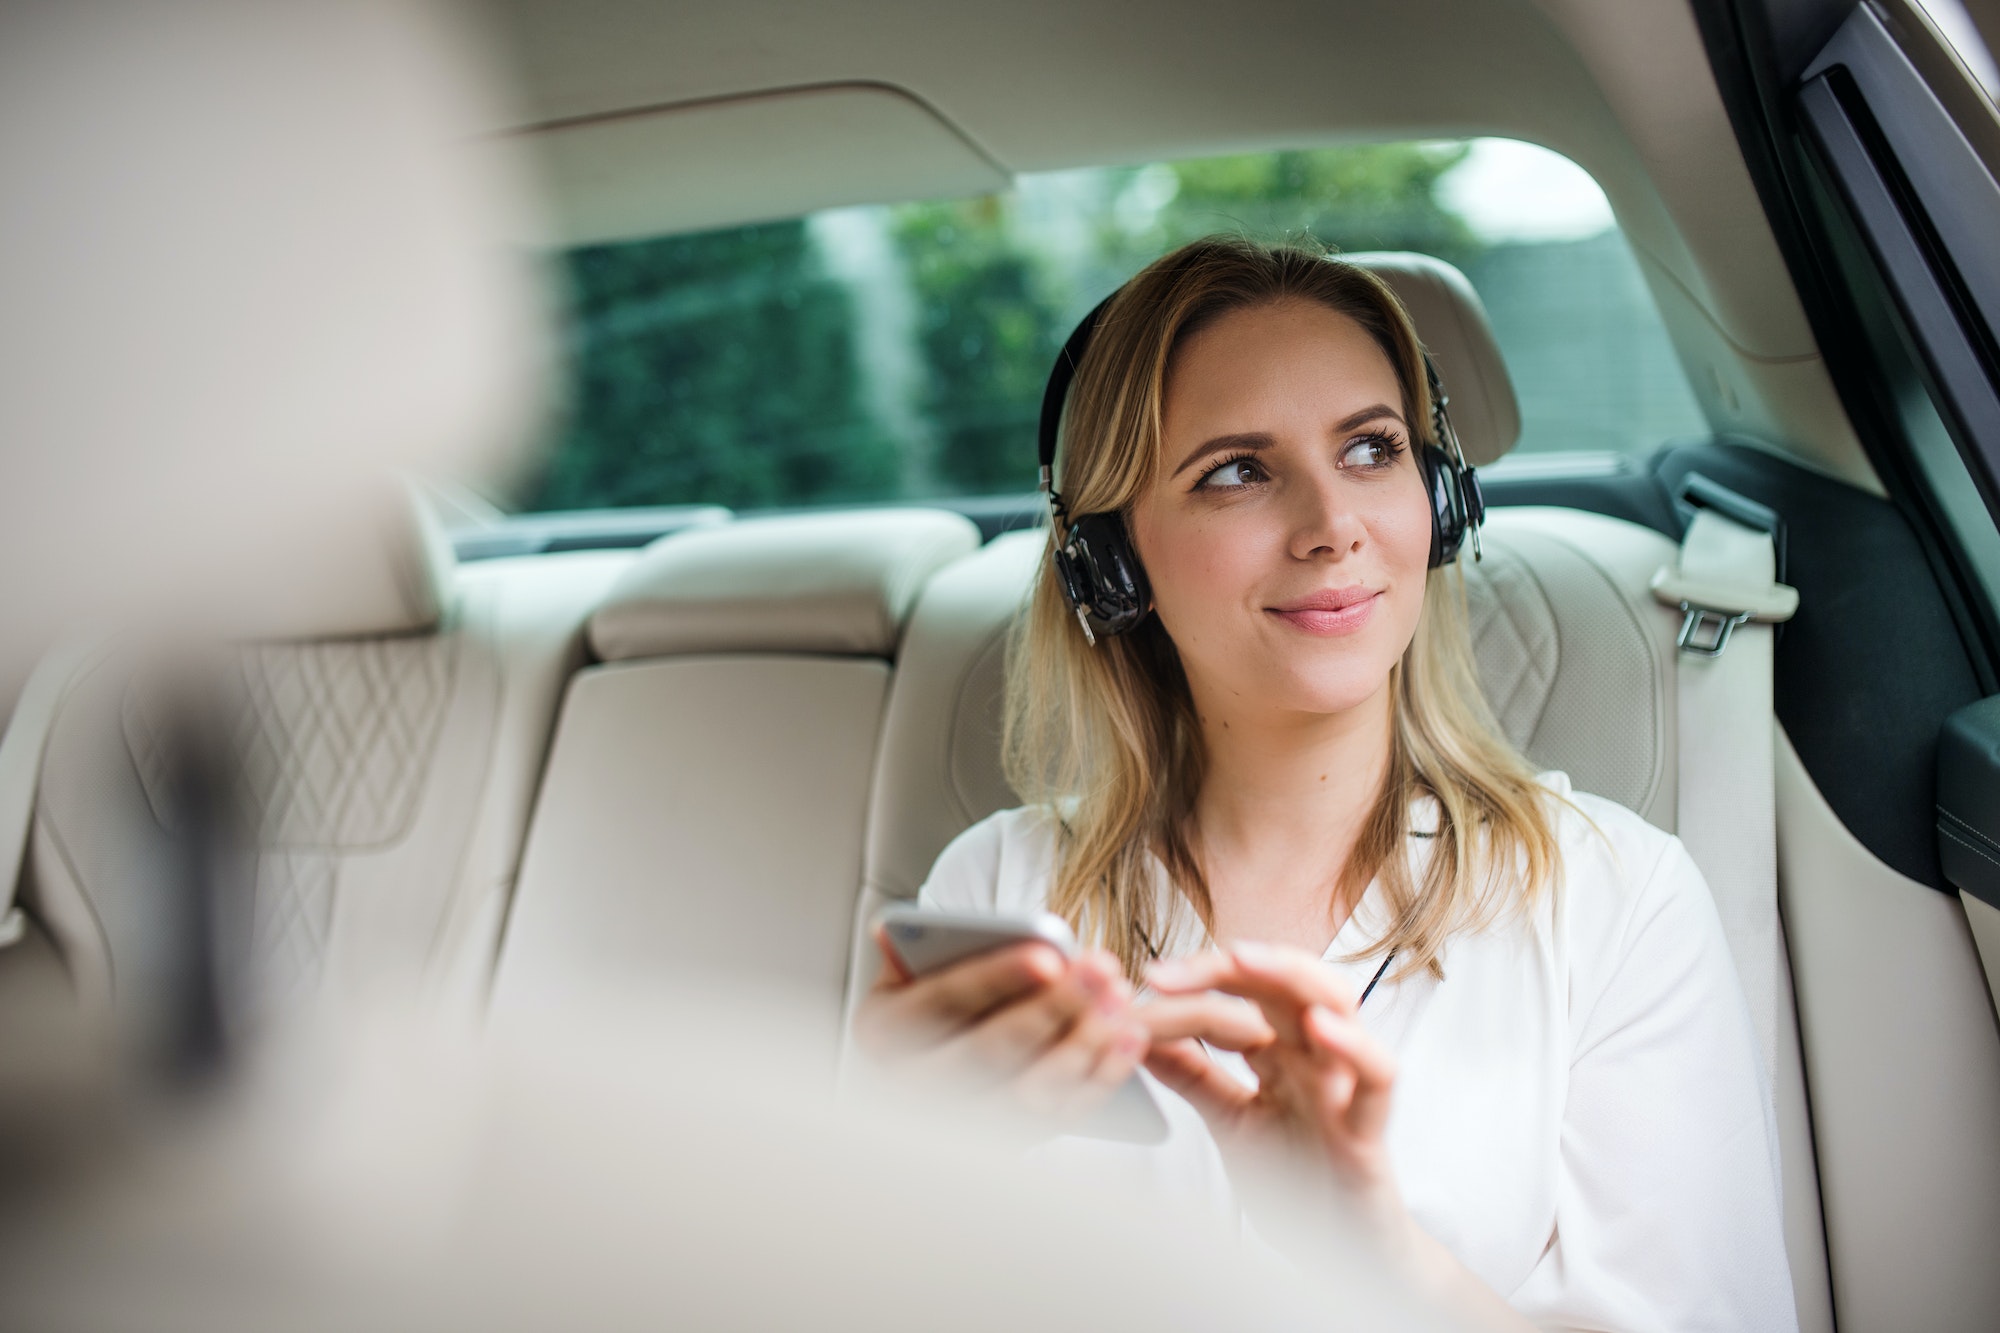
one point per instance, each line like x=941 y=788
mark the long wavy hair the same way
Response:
x=1108 y=736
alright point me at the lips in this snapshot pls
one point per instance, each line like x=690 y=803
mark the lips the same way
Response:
x=1329 y=611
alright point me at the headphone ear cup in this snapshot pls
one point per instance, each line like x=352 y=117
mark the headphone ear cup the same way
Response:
x=1447 y=516
x=1075 y=584
x=1102 y=575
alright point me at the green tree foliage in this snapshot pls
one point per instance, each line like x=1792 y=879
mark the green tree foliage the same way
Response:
x=1361 y=197
x=988 y=333
x=715 y=368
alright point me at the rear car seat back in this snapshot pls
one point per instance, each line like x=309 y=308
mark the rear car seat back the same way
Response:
x=707 y=789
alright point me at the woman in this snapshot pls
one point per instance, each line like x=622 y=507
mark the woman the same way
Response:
x=1283 y=786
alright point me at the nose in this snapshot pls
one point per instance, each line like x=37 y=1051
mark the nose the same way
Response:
x=1325 y=522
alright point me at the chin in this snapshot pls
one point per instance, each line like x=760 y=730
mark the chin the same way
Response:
x=1327 y=692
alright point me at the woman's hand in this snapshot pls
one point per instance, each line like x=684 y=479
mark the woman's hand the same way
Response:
x=1324 y=1084
x=1056 y=1035
x=1323 y=1092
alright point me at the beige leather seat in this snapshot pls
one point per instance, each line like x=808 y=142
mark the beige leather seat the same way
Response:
x=1577 y=659
x=389 y=742
x=707 y=790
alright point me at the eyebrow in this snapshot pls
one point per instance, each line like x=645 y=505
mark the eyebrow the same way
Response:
x=1256 y=440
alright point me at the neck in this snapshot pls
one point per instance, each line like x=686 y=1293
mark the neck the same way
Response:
x=1282 y=800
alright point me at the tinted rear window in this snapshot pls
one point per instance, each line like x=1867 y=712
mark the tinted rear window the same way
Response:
x=898 y=352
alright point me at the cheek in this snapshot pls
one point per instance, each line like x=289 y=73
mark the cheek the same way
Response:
x=1403 y=539
x=1402 y=535
x=1403 y=530
x=1198 y=568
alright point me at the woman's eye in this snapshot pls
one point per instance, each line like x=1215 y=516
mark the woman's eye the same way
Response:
x=1236 y=472
x=1372 y=451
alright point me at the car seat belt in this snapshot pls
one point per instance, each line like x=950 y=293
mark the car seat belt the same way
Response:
x=21 y=751
x=1725 y=582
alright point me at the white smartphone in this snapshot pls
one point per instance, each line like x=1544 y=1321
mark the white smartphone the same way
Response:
x=925 y=941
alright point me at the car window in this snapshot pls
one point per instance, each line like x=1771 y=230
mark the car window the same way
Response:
x=899 y=351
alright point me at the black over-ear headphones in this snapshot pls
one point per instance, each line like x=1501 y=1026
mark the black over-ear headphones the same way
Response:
x=1097 y=565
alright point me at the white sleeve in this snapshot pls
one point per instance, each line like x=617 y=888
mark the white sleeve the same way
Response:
x=1004 y=863
x=966 y=875
x=1667 y=1209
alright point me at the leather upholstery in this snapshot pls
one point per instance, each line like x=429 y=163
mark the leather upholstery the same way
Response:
x=819 y=583
x=387 y=781
x=1451 y=320
x=707 y=789
x=701 y=817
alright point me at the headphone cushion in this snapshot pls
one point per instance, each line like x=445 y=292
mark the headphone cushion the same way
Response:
x=1101 y=572
x=1451 y=499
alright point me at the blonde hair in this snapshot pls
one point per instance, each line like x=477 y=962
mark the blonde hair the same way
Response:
x=1108 y=735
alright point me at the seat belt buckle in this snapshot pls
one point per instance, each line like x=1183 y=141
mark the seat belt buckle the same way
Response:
x=1711 y=611
x=1705 y=631
x=1727 y=571
x=1719 y=595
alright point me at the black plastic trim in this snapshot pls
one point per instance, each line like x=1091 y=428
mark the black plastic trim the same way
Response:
x=1946 y=191
x=1695 y=491
x=627 y=529
x=580 y=530
x=1619 y=487
x=1939 y=310
x=1968 y=799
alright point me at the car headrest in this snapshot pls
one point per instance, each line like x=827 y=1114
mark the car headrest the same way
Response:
x=327 y=170
x=373 y=563
x=812 y=583
x=1452 y=324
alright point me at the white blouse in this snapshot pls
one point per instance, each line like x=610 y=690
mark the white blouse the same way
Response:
x=1579 y=1112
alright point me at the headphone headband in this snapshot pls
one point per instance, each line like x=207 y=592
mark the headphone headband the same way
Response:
x=1057 y=392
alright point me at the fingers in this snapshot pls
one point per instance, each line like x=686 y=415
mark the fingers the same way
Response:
x=1221 y=1020
x=1256 y=971
x=893 y=972
x=1079 y=1072
x=1319 y=1063
x=922 y=1013
x=988 y=981
x=1359 y=1075
x=1294 y=973
x=1007 y=1040
x=1185 y=1067
x=1281 y=981
x=1340 y=1079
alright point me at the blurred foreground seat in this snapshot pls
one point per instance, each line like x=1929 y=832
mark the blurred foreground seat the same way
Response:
x=387 y=736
